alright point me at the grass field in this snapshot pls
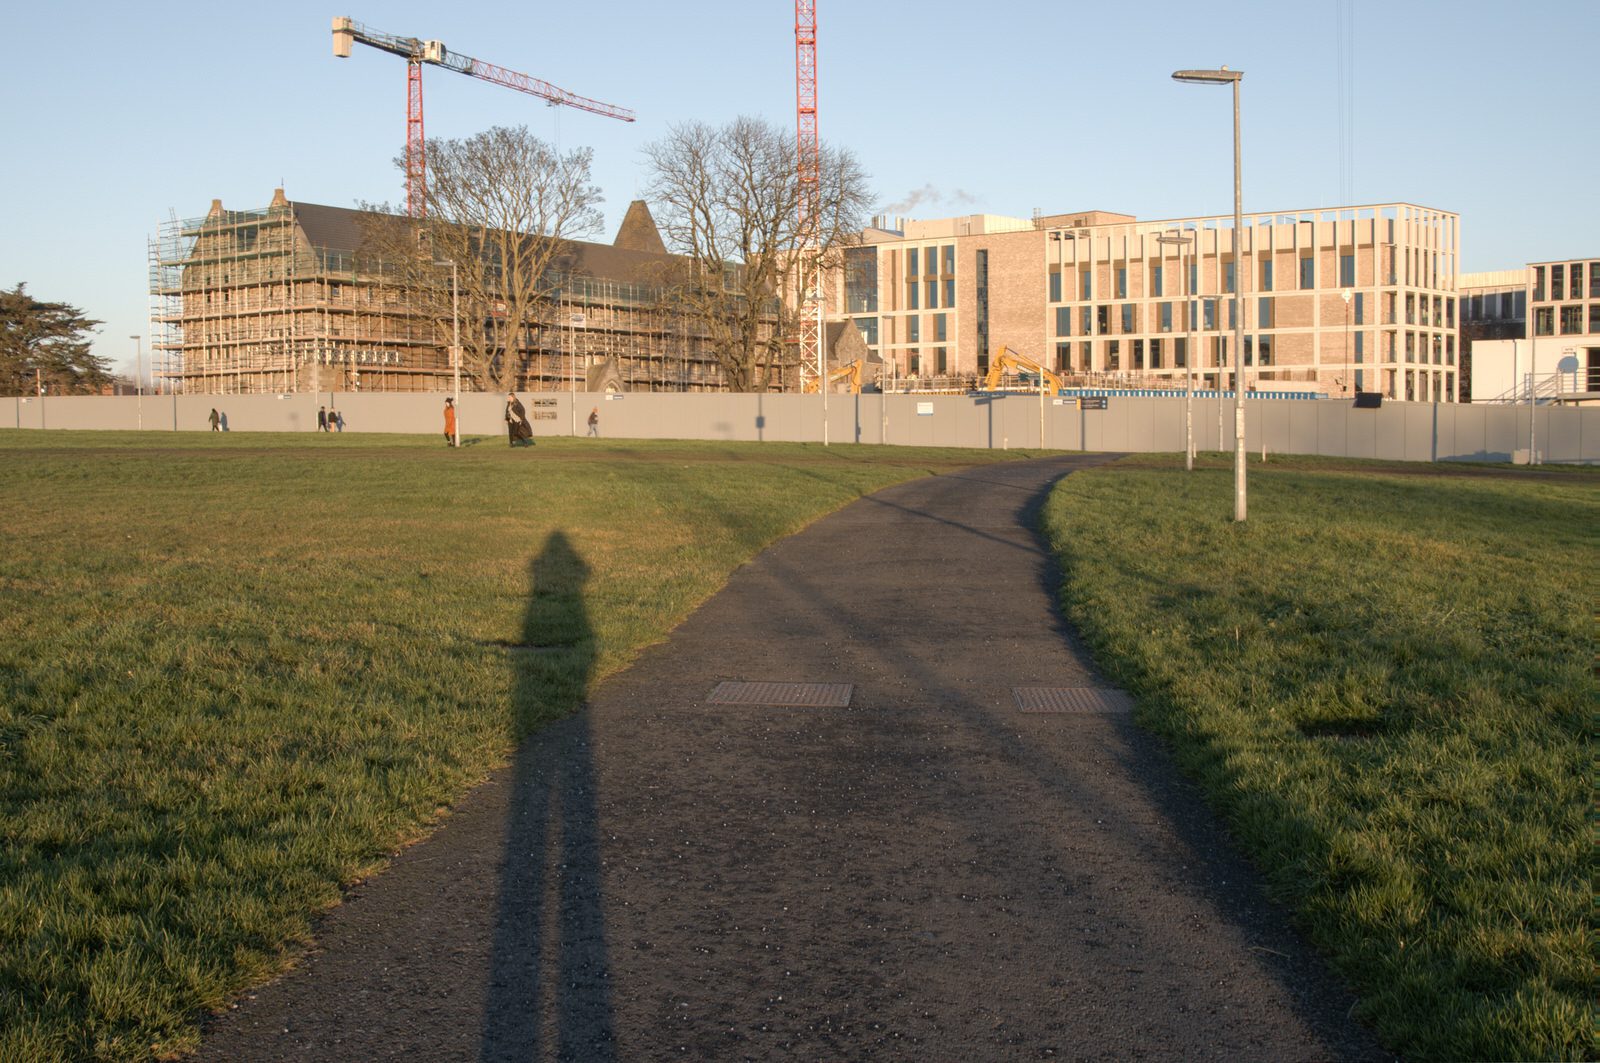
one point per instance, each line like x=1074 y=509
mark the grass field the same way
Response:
x=236 y=672
x=1385 y=682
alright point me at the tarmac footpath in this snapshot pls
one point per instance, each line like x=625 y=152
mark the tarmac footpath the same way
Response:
x=907 y=866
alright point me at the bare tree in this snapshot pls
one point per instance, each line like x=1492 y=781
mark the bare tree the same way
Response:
x=504 y=207
x=728 y=202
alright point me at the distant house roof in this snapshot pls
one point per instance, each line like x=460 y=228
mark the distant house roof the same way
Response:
x=340 y=229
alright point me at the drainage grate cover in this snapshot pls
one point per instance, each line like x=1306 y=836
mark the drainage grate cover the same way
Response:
x=1071 y=699
x=799 y=695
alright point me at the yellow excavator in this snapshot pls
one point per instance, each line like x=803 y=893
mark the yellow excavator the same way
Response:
x=1006 y=360
x=850 y=372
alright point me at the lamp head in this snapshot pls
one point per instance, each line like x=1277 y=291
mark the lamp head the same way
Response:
x=1223 y=76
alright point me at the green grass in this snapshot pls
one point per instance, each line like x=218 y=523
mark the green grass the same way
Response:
x=1385 y=683
x=236 y=672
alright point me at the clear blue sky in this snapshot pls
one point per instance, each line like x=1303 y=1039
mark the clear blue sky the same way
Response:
x=117 y=112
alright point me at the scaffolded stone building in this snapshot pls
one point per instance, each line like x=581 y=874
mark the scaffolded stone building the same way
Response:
x=283 y=299
x=1336 y=300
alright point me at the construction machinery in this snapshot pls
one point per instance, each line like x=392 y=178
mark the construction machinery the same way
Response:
x=347 y=31
x=1006 y=360
x=849 y=372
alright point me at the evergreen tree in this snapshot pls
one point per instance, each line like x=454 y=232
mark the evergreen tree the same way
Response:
x=46 y=343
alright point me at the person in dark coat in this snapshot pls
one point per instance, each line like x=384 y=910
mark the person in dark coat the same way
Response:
x=215 y=419
x=518 y=431
x=322 y=418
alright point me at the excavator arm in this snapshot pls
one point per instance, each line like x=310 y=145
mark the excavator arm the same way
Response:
x=850 y=372
x=1006 y=360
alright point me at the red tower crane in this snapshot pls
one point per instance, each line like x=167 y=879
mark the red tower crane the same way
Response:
x=346 y=31
x=809 y=168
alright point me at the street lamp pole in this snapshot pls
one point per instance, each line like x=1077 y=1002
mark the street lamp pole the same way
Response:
x=1224 y=76
x=455 y=346
x=138 y=379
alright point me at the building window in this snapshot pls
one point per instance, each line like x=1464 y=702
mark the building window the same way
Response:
x=1360 y=306
x=1085 y=322
x=950 y=259
x=1449 y=350
x=1228 y=276
x=940 y=332
x=913 y=329
x=868 y=327
x=1538 y=284
x=1064 y=357
x=1264 y=312
x=911 y=262
x=1210 y=313
x=1266 y=274
x=1575 y=274
x=1155 y=281
x=933 y=293
x=1308 y=273
x=1155 y=354
x=1347 y=271
x=941 y=360
x=949 y=293
x=1360 y=350
x=861 y=280
x=913 y=289
x=1411 y=308
x=1180 y=353
x=1266 y=349
x=1166 y=317
x=1127 y=318
x=1194 y=278
x=1438 y=349
x=1122 y=282
x=1138 y=355
x=1113 y=355
x=1594 y=280
x=1102 y=320
x=1594 y=317
x=1084 y=279
x=1085 y=349
x=1063 y=321
x=1571 y=320
x=1558 y=288
x=1411 y=346
x=981 y=268
x=1055 y=286
x=1544 y=321
x=914 y=362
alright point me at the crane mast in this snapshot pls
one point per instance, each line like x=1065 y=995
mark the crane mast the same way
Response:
x=808 y=168
x=347 y=32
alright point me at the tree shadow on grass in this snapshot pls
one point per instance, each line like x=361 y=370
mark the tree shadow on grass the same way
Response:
x=549 y=990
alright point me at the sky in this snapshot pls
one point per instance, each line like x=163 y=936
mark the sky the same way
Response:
x=119 y=116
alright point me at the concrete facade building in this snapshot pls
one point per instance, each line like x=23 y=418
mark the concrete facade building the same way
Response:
x=1336 y=300
x=284 y=299
x=1534 y=333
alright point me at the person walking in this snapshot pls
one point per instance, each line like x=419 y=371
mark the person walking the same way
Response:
x=336 y=420
x=215 y=419
x=450 y=438
x=322 y=418
x=594 y=423
x=518 y=431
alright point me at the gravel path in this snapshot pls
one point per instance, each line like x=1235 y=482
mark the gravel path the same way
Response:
x=925 y=874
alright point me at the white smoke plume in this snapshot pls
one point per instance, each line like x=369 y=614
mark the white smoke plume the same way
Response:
x=929 y=195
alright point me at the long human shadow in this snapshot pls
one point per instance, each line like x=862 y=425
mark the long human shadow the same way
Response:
x=549 y=974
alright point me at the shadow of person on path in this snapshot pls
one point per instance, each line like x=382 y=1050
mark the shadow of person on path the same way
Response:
x=549 y=993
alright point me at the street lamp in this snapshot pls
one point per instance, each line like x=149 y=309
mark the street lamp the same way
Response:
x=138 y=379
x=1183 y=241
x=1225 y=76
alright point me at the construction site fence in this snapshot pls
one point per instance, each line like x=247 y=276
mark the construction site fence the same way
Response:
x=1400 y=431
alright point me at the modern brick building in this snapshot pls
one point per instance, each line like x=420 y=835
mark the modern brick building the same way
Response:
x=1335 y=300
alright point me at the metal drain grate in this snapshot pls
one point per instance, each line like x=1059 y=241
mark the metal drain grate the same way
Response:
x=1071 y=699
x=797 y=695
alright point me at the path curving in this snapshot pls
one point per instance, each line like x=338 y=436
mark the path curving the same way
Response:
x=926 y=874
